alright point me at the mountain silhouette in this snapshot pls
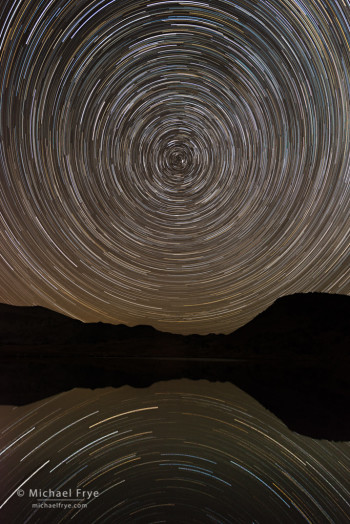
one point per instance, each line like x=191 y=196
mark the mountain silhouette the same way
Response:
x=293 y=358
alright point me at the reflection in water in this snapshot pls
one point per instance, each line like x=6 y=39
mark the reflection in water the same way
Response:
x=176 y=452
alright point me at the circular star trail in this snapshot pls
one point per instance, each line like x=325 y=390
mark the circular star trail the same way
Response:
x=176 y=452
x=174 y=163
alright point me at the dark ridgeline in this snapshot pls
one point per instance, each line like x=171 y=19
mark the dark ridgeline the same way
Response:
x=293 y=358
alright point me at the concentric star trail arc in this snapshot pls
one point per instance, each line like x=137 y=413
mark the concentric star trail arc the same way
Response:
x=179 y=164
x=177 y=451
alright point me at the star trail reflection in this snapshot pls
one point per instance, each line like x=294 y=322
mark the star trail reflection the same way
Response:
x=180 y=451
x=176 y=163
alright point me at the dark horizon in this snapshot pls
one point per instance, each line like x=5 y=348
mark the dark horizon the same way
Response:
x=308 y=295
x=293 y=358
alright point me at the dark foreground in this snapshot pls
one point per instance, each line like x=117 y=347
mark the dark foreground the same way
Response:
x=310 y=397
x=293 y=358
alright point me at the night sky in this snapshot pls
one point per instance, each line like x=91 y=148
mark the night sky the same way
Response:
x=179 y=164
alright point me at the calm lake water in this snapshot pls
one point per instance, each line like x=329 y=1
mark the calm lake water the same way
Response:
x=180 y=451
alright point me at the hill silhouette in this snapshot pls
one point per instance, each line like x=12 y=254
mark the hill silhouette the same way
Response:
x=293 y=358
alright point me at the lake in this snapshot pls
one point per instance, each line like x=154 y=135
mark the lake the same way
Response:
x=180 y=451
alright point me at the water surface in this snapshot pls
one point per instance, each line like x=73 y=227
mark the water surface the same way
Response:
x=178 y=451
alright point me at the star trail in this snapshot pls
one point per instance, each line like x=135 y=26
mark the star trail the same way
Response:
x=176 y=163
x=180 y=451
